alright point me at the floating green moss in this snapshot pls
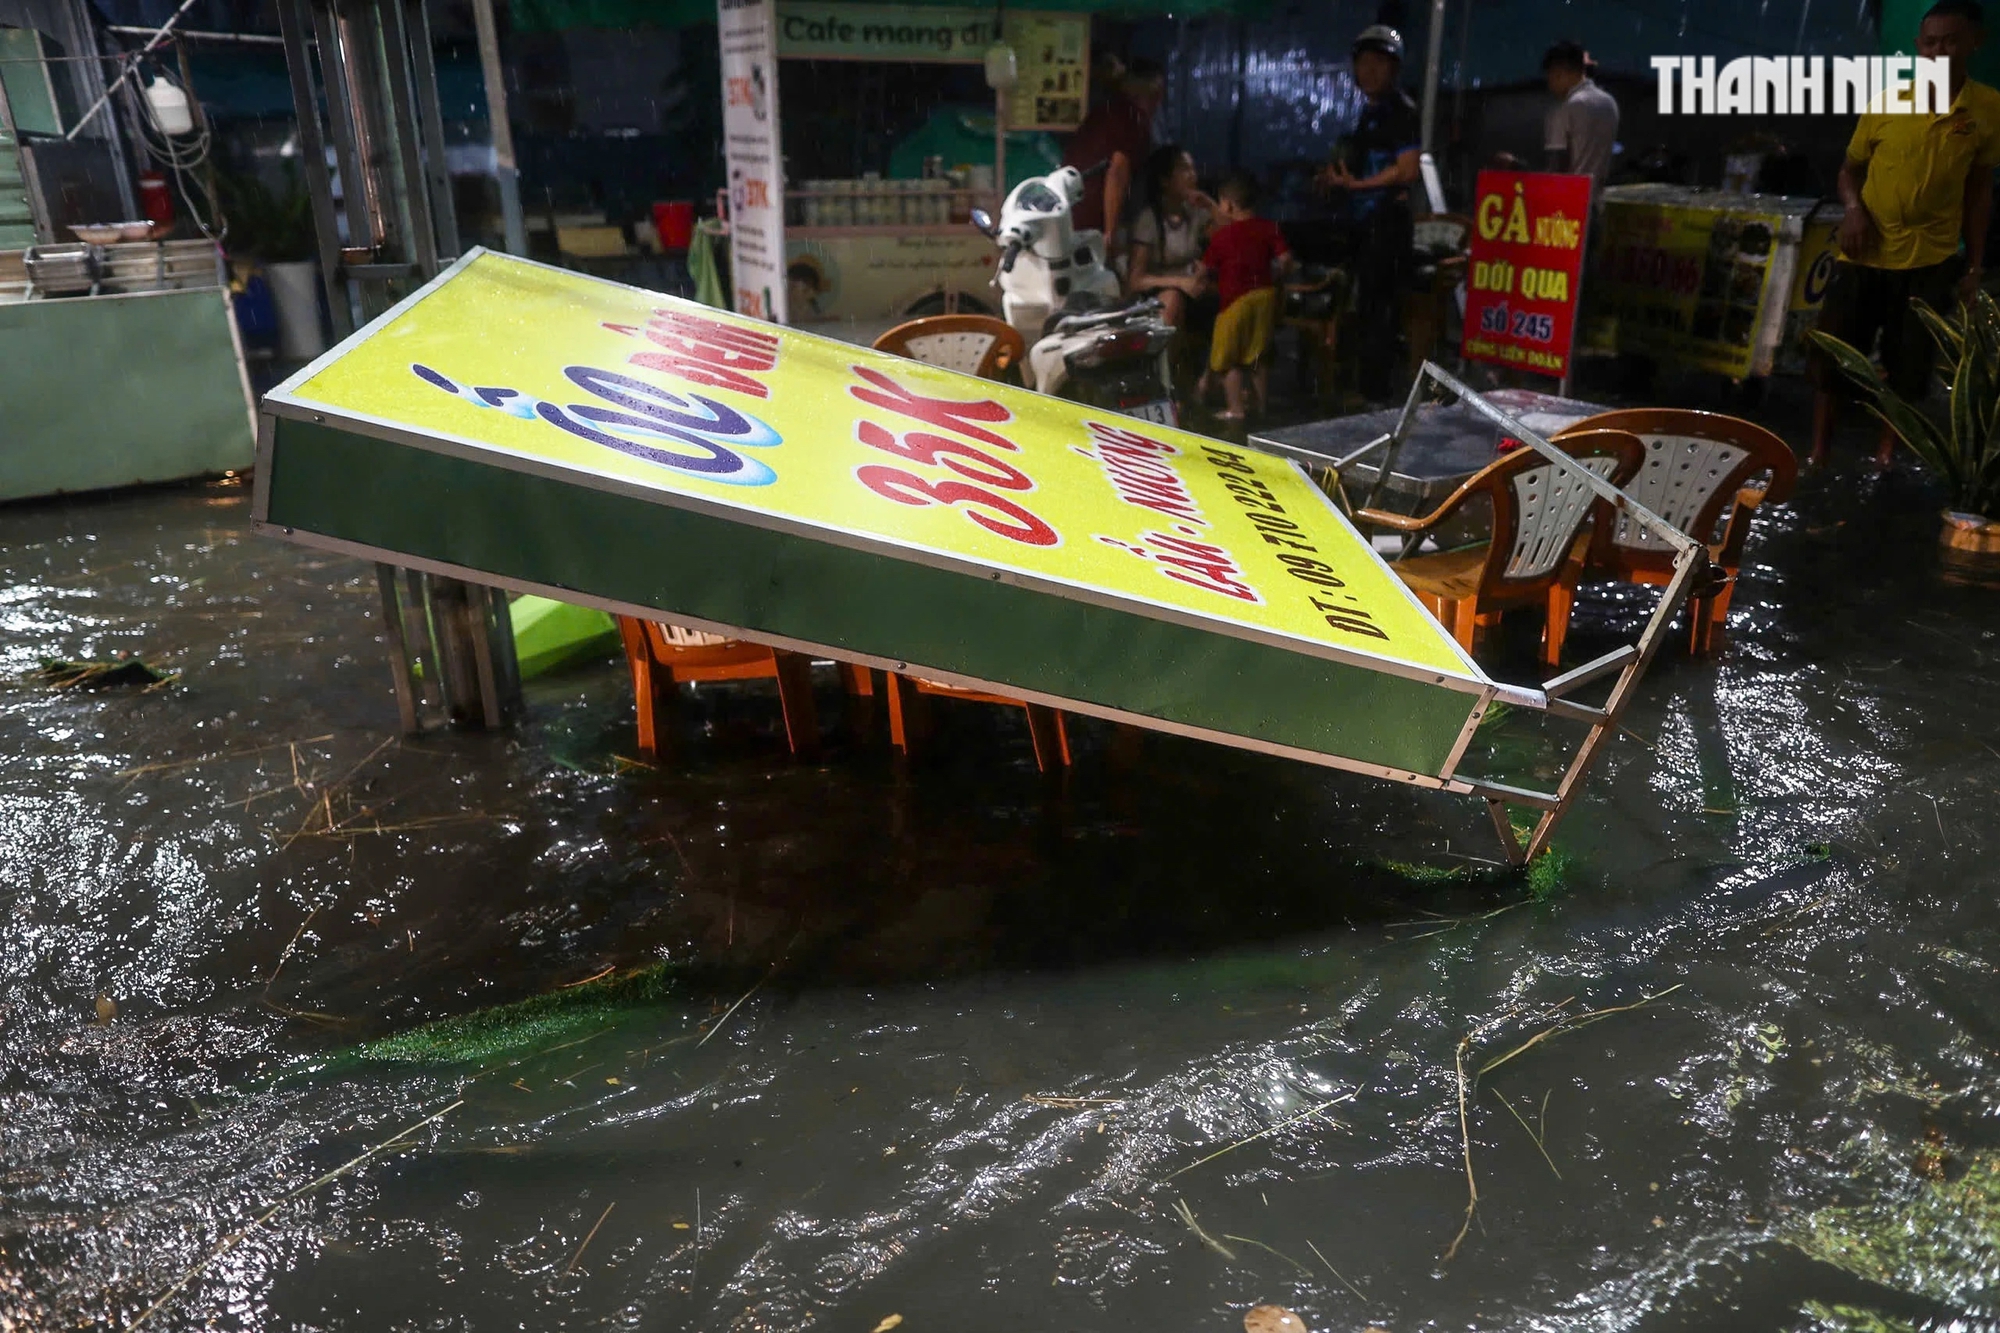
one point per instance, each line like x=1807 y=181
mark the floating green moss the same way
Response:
x=1548 y=874
x=1417 y=874
x=1940 y=1242
x=1544 y=877
x=1852 y=1319
x=533 y=1024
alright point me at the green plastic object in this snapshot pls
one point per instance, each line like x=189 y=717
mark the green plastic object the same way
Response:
x=119 y=391
x=704 y=267
x=963 y=135
x=549 y=634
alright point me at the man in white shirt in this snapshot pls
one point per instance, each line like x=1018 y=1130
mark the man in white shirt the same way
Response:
x=1581 y=128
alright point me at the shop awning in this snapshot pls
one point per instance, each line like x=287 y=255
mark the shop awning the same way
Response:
x=541 y=430
x=555 y=15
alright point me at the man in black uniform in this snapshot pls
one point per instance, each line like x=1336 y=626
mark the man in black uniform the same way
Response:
x=1376 y=174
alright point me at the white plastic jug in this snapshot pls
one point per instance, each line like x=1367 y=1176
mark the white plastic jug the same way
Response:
x=169 y=106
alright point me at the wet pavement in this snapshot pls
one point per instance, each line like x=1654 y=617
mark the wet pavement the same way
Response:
x=1138 y=1051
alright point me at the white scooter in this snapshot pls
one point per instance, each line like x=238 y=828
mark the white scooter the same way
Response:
x=1084 y=342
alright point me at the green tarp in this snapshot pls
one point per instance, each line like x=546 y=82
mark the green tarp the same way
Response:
x=555 y=15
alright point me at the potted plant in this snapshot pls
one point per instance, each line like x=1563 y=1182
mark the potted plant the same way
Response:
x=1964 y=450
x=274 y=227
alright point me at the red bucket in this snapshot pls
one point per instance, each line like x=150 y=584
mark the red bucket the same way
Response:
x=674 y=221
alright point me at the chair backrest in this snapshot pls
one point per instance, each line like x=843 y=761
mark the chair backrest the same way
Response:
x=1695 y=464
x=666 y=638
x=971 y=344
x=1539 y=508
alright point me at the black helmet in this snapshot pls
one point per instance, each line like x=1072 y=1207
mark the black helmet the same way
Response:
x=1380 y=37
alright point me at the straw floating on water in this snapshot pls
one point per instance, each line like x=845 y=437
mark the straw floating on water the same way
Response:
x=592 y=1236
x=272 y=1211
x=1291 y=1120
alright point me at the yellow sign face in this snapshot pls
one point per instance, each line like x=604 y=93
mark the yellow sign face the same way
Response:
x=875 y=452
x=1690 y=283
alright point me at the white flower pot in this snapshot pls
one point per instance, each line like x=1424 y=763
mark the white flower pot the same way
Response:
x=1970 y=533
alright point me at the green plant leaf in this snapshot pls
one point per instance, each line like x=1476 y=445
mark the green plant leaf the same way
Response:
x=1926 y=441
x=1967 y=425
x=1912 y=426
x=1847 y=360
x=1950 y=340
x=1976 y=404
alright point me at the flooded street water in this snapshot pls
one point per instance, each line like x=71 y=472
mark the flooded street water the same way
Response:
x=952 y=1045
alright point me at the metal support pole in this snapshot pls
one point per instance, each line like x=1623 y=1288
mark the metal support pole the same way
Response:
x=423 y=248
x=89 y=76
x=358 y=22
x=292 y=23
x=450 y=642
x=1691 y=563
x=417 y=620
x=355 y=201
x=399 y=648
x=505 y=166
x=1433 y=57
x=1458 y=163
x=1001 y=98
x=444 y=214
x=1396 y=438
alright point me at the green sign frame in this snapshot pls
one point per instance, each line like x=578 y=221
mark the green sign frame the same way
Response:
x=1136 y=574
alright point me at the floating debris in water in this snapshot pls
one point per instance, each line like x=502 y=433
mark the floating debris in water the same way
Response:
x=58 y=674
x=1272 y=1319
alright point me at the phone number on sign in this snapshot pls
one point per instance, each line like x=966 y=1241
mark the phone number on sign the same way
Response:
x=1301 y=559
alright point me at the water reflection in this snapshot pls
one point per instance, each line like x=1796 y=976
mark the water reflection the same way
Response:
x=960 y=1046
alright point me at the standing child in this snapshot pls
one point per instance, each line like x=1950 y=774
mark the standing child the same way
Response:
x=1244 y=259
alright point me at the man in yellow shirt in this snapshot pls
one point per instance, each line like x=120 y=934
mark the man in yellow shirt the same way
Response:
x=1913 y=185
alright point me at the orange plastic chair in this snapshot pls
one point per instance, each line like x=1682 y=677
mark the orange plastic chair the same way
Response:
x=987 y=347
x=910 y=724
x=1697 y=463
x=660 y=654
x=1535 y=553
x=971 y=344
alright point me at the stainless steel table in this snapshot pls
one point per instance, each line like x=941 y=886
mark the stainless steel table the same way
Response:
x=1446 y=444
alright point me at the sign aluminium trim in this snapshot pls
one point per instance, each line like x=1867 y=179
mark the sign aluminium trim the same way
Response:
x=283 y=402
x=361 y=550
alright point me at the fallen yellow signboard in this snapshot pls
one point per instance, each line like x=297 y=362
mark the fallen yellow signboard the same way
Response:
x=789 y=426
x=553 y=432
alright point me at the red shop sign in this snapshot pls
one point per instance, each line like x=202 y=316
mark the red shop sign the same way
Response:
x=1526 y=269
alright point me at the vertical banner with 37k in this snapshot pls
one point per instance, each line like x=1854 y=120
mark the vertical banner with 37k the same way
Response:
x=1526 y=269
x=749 y=35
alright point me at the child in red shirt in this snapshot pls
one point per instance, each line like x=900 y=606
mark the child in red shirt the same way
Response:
x=1245 y=258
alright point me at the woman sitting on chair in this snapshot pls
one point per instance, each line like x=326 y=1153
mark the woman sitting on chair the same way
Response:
x=1168 y=238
